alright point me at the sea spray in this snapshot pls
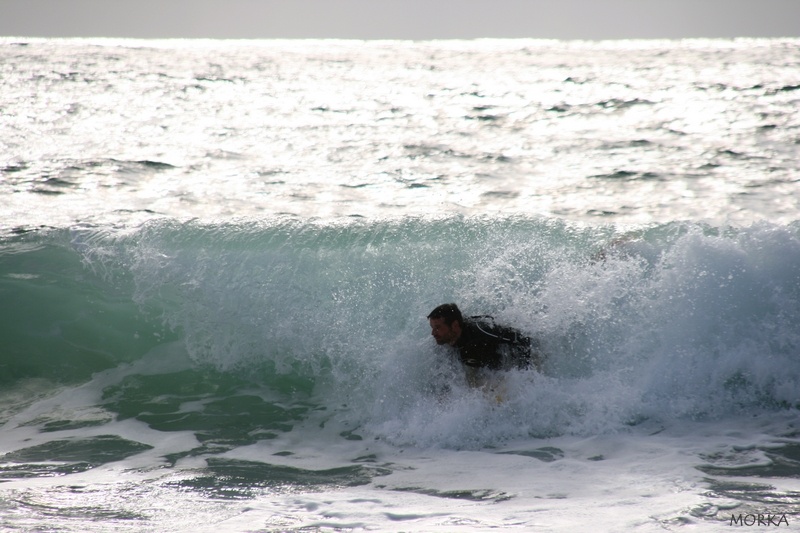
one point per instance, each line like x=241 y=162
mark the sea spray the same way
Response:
x=656 y=324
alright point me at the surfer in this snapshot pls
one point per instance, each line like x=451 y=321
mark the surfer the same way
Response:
x=482 y=345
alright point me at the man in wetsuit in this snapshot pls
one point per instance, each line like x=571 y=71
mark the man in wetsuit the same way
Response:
x=480 y=343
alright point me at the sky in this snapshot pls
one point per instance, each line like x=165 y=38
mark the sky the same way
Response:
x=401 y=19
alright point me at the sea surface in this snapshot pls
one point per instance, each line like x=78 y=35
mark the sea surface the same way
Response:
x=216 y=259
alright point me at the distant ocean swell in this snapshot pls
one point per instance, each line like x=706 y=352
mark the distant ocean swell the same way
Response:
x=268 y=324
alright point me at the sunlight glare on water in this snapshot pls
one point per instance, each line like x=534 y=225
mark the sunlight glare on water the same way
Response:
x=629 y=132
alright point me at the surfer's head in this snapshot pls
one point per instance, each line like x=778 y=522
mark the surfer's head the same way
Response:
x=446 y=322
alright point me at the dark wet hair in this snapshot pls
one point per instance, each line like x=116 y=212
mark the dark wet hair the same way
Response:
x=450 y=313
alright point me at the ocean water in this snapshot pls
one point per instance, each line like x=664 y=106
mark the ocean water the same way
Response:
x=216 y=259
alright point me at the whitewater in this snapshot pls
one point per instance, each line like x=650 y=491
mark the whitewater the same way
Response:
x=216 y=260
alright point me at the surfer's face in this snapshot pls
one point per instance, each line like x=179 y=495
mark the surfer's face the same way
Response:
x=442 y=333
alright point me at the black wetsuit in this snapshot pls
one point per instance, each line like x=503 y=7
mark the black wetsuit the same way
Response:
x=483 y=344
